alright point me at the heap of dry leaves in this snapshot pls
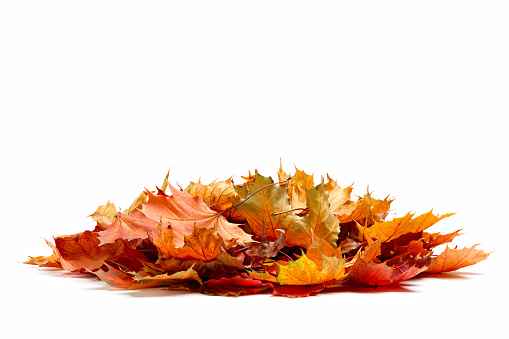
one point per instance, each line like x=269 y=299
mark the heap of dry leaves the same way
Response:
x=288 y=238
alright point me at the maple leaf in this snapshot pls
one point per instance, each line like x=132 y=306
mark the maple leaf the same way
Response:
x=203 y=243
x=267 y=207
x=380 y=274
x=299 y=183
x=180 y=280
x=137 y=203
x=133 y=258
x=130 y=280
x=261 y=208
x=182 y=211
x=42 y=261
x=104 y=215
x=319 y=248
x=82 y=251
x=348 y=245
x=362 y=208
x=234 y=286
x=143 y=197
x=304 y=271
x=397 y=227
x=338 y=196
x=216 y=195
x=199 y=190
x=319 y=220
x=371 y=252
x=129 y=227
x=436 y=239
x=262 y=248
x=298 y=291
x=224 y=265
x=452 y=259
x=414 y=248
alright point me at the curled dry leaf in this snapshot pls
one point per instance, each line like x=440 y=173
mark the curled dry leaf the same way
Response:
x=288 y=238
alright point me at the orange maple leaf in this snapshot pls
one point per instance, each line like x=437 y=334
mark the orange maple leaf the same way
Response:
x=452 y=259
x=182 y=211
x=81 y=251
x=299 y=183
x=203 y=243
x=389 y=230
x=129 y=227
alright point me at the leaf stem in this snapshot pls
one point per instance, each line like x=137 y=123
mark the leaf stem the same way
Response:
x=286 y=255
x=120 y=265
x=295 y=209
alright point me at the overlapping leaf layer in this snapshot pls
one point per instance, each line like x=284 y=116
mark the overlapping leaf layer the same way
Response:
x=289 y=238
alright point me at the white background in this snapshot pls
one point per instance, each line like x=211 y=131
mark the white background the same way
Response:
x=99 y=98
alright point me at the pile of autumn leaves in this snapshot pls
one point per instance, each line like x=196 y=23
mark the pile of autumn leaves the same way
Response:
x=288 y=238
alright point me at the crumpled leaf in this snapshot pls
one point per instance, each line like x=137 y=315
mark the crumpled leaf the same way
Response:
x=452 y=259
